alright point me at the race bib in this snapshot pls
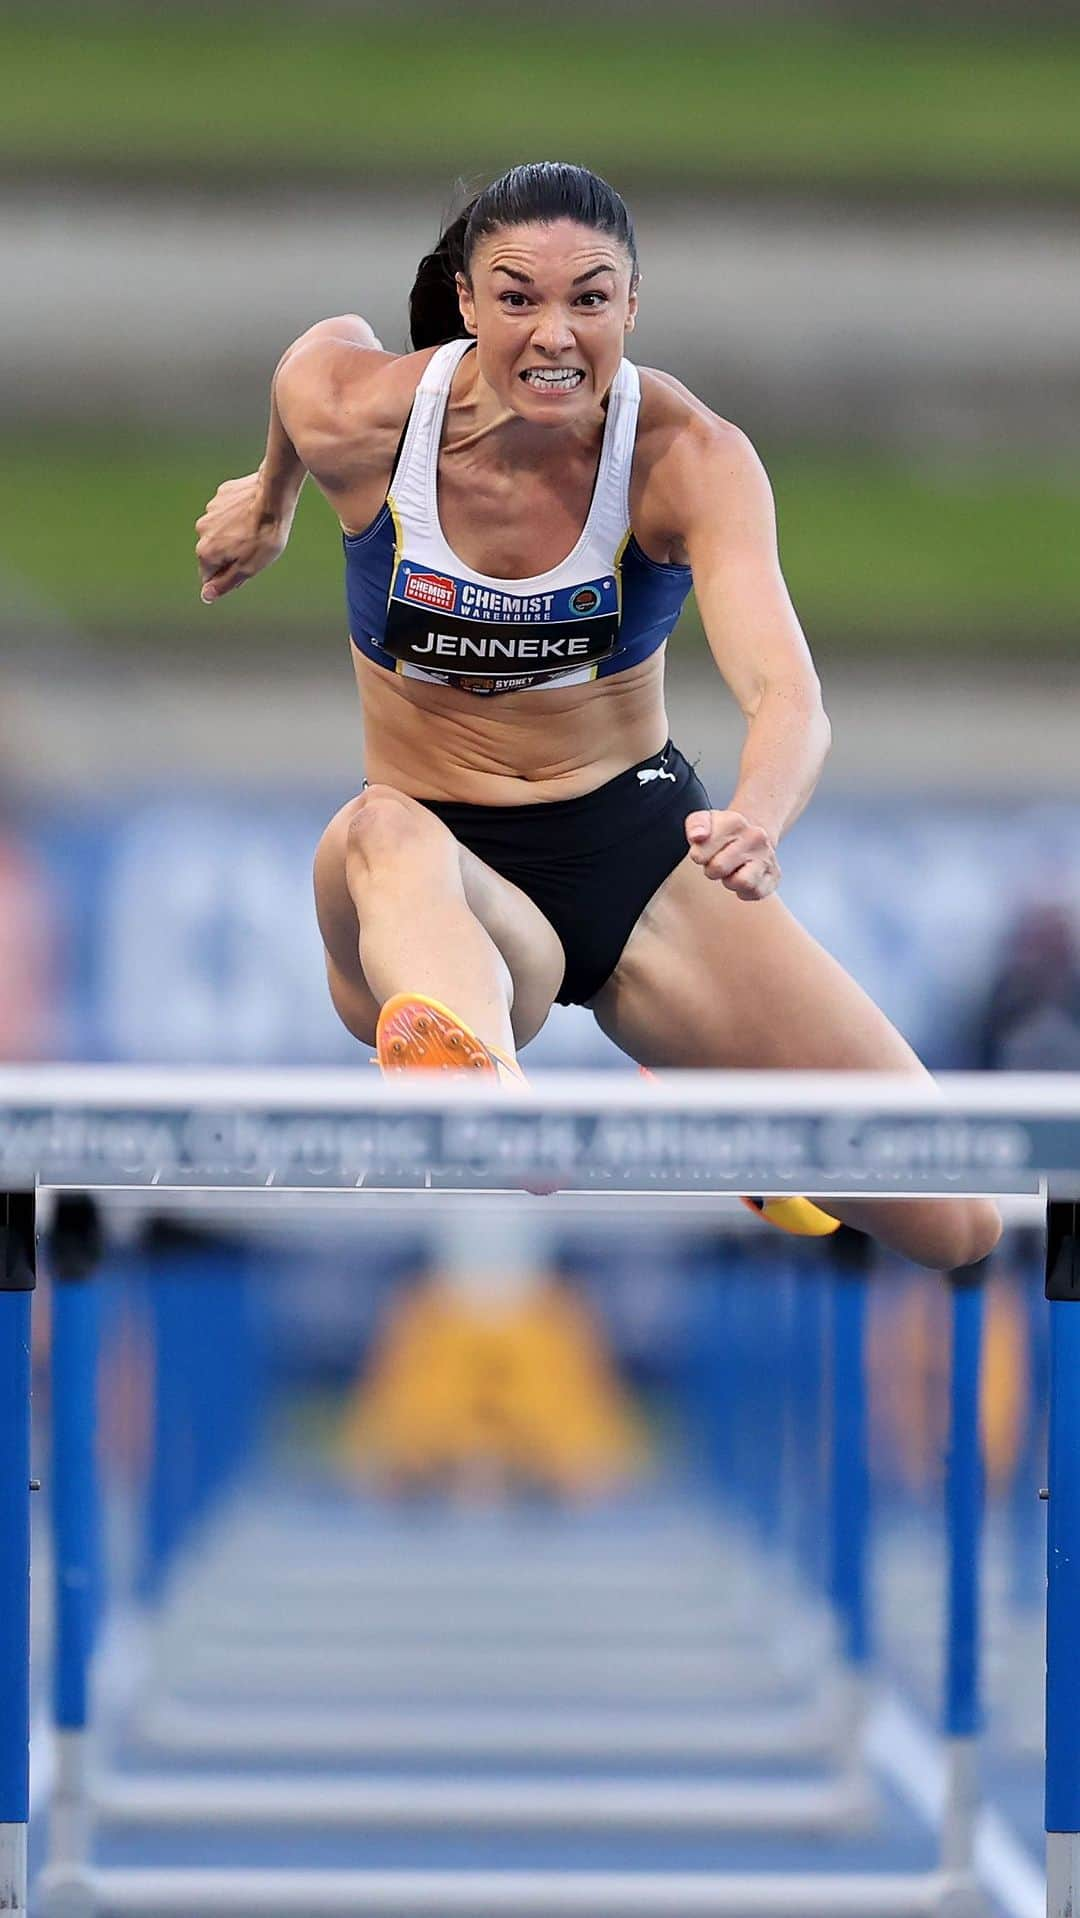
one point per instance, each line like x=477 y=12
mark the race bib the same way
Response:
x=460 y=630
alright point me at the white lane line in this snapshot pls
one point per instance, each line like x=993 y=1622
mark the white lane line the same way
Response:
x=901 y=1746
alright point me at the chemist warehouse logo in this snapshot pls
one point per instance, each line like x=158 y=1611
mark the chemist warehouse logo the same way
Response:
x=431 y=589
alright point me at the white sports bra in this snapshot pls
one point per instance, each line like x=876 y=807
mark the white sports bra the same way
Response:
x=418 y=609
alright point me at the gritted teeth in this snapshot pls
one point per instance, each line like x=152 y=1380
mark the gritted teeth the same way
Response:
x=548 y=377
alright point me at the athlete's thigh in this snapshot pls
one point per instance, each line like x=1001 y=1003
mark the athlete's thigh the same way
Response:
x=707 y=979
x=527 y=940
x=528 y=943
x=711 y=980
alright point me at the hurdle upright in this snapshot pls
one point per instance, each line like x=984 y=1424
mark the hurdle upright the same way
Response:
x=1063 y=1564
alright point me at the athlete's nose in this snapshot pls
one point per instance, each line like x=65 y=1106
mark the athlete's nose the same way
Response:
x=552 y=333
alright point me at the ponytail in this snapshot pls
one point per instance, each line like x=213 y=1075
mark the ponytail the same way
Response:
x=434 y=313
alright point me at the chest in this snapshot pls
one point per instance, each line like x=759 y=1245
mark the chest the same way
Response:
x=513 y=524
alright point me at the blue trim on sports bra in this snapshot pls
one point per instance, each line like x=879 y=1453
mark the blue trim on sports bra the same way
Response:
x=653 y=595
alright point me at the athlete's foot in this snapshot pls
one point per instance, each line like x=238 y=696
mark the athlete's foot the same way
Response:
x=415 y=1033
x=799 y=1216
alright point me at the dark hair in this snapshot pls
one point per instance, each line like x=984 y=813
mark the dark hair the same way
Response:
x=543 y=191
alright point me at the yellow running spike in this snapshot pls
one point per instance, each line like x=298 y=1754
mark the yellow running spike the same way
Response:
x=800 y=1216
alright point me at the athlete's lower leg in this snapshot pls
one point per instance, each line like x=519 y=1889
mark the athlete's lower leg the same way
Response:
x=417 y=934
x=943 y=1234
x=802 y=1217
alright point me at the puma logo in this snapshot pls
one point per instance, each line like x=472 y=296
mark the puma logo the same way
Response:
x=647 y=773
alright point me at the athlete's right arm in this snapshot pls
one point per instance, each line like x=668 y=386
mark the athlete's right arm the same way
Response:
x=246 y=525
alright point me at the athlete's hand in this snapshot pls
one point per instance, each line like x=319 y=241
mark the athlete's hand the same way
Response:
x=238 y=536
x=730 y=848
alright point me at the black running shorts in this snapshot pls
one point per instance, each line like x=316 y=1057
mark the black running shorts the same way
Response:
x=591 y=864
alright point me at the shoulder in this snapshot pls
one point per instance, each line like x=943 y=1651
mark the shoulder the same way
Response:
x=335 y=391
x=693 y=461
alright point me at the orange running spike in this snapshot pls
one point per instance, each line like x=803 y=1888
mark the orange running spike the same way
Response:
x=416 y=1033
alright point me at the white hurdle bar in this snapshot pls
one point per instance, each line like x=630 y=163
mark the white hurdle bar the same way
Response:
x=279 y=1628
x=589 y=1135
x=822 y=1729
x=557 y=1587
x=432 y=1672
x=245 y=1593
x=568 y=1805
x=509 y=1894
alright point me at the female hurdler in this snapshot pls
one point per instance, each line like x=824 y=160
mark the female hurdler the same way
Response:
x=524 y=513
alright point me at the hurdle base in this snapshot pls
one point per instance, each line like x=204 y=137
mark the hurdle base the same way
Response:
x=13 y=1869
x=69 y=1891
x=961 y=1808
x=1062 y=1873
x=71 y=1809
x=963 y=1899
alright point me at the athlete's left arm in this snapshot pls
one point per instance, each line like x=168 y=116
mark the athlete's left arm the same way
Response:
x=728 y=526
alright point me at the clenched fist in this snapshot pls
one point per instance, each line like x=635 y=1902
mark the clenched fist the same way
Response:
x=734 y=851
x=238 y=536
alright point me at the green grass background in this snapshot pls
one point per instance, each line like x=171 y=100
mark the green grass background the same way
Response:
x=960 y=556
x=662 y=100
x=879 y=554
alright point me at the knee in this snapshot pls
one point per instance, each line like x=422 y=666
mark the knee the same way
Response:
x=978 y=1232
x=961 y=1232
x=384 y=827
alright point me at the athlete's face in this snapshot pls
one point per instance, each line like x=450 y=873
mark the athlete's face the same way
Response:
x=550 y=307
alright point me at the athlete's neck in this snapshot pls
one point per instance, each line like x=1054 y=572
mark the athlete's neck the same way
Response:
x=476 y=413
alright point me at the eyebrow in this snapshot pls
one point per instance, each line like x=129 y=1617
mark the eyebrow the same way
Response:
x=524 y=280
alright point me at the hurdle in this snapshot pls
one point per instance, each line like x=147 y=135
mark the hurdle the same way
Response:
x=396 y=1612
x=580 y=1806
x=694 y=1136
x=820 y=1729
x=328 y=1670
x=822 y=1726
